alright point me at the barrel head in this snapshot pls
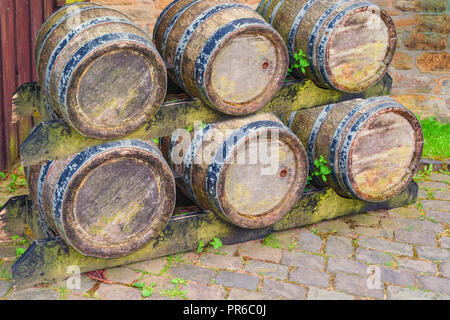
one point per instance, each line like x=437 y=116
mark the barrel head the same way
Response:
x=385 y=154
x=360 y=49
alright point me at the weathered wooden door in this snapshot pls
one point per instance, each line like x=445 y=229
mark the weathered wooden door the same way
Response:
x=20 y=21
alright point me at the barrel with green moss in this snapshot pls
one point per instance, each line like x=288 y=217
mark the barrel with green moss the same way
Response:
x=100 y=71
x=222 y=52
x=107 y=201
x=251 y=170
x=373 y=147
x=349 y=44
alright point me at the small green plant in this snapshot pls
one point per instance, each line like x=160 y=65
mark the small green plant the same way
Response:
x=176 y=292
x=5 y=274
x=156 y=140
x=300 y=63
x=189 y=128
x=167 y=265
x=430 y=193
x=314 y=230
x=63 y=292
x=216 y=243
x=146 y=291
x=425 y=174
x=291 y=246
x=20 y=244
x=17 y=180
x=321 y=169
x=271 y=241
x=389 y=264
x=432 y=219
x=178 y=281
x=2 y=175
x=446 y=172
x=200 y=247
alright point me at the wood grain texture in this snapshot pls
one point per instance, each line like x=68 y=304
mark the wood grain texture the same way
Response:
x=100 y=71
x=373 y=147
x=349 y=44
x=223 y=53
x=227 y=162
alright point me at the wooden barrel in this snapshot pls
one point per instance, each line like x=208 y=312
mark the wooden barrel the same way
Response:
x=223 y=53
x=251 y=170
x=373 y=147
x=349 y=44
x=100 y=71
x=108 y=200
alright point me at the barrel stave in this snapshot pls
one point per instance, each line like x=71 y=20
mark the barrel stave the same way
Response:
x=63 y=28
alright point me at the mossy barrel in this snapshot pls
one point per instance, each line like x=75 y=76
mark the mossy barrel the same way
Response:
x=107 y=201
x=100 y=71
x=373 y=147
x=349 y=44
x=250 y=170
x=223 y=53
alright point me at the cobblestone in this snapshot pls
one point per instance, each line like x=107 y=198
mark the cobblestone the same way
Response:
x=356 y=285
x=255 y=250
x=237 y=280
x=397 y=293
x=34 y=294
x=436 y=205
x=338 y=226
x=197 y=291
x=339 y=246
x=122 y=275
x=373 y=257
x=420 y=238
x=445 y=242
x=398 y=277
x=432 y=253
x=292 y=258
x=279 y=289
x=322 y=294
x=238 y=294
x=192 y=273
x=310 y=277
x=218 y=261
x=308 y=241
x=433 y=283
x=374 y=232
x=417 y=266
x=268 y=269
x=387 y=246
x=441 y=216
x=346 y=266
x=4 y=287
x=118 y=292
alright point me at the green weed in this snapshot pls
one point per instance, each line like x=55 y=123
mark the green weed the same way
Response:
x=300 y=63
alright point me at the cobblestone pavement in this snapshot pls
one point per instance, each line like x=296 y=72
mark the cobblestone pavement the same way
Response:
x=407 y=249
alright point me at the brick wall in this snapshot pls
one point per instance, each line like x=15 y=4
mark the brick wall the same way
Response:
x=421 y=67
